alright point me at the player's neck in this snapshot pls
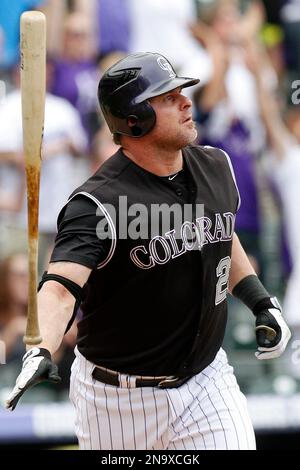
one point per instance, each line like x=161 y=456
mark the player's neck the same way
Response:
x=161 y=163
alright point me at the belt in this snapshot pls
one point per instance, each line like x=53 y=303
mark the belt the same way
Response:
x=117 y=379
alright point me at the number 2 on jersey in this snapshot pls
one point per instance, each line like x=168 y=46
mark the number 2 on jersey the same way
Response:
x=222 y=272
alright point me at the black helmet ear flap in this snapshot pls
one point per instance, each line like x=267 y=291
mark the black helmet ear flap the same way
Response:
x=141 y=121
x=132 y=123
x=136 y=131
x=132 y=120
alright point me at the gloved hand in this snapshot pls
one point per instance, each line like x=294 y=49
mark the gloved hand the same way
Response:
x=37 y=367
x=272 y=333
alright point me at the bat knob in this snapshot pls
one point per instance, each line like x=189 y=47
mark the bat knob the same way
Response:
x=265 y=335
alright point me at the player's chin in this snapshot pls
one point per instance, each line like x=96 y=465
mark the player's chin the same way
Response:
x=189 y=134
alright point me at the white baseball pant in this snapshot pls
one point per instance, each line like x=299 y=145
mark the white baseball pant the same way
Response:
x=207 y=412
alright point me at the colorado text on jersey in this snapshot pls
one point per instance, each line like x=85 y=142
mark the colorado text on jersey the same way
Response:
x=193 y=236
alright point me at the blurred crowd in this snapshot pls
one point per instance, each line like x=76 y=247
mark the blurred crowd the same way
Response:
x=247 y=56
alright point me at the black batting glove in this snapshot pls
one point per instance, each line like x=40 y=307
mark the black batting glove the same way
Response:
x=37 y=367
x=272 y=333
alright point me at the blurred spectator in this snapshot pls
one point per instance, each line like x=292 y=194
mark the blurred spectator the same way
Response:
x=64 y=139
x=228 y=108
x=285 y=170
x=13 y=304
x=114 y=26
x=75 y=76
x=110 y=20
x=290 y=17
x=13 y=319
x=10 y=13
x=103 y=147
x=55 y=11
x=163 y=26
x=273 y=36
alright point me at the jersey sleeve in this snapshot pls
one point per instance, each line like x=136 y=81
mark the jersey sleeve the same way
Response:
x=78 y=238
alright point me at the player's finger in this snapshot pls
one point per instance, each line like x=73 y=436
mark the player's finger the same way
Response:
x=262 y=355
x=13 y=399
x=54 y=377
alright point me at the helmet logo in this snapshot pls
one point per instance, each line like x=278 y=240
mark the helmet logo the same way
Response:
x=164 y=64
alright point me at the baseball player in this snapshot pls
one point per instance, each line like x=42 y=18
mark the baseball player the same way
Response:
x=149 y=371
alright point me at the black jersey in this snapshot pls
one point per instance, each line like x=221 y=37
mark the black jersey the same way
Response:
x=156 y=302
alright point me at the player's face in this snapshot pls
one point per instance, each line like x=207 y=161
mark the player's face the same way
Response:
x=174 y=126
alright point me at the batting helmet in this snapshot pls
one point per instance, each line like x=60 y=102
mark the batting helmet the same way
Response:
x=126 y=86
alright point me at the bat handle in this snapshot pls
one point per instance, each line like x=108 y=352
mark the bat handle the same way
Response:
x=265 y=334
x=32 y=335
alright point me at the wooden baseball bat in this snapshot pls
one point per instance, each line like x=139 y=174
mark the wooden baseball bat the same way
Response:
x=33 y=89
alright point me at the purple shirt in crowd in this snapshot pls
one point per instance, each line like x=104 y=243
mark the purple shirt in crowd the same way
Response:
x=77 y=82
x=67 y=78
x=236 y=144
x=114 y=26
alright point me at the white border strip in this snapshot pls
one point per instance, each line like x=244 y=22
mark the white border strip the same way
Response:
x=110 y=223
x=232 y=172
x=233 y=177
